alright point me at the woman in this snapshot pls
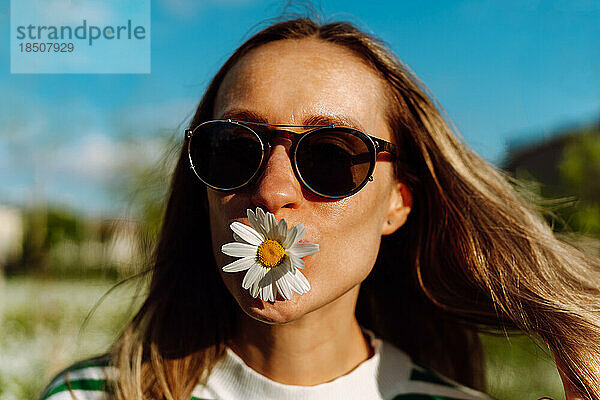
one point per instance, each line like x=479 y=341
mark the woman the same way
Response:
x=420 y=244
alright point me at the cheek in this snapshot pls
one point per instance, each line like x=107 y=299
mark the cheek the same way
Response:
x=350 y=244
x=343 y=263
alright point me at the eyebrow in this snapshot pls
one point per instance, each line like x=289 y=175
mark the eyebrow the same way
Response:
x=337 y=120
x=313 y=120
x=244 y=115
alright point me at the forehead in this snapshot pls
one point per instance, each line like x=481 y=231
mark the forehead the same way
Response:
x=291 y=81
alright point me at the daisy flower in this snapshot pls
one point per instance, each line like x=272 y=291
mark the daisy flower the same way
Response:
x=271 y=254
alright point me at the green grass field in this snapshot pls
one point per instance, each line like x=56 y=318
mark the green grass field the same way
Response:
x=42 y=331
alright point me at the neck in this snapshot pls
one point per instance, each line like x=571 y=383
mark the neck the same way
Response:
x=319 y=347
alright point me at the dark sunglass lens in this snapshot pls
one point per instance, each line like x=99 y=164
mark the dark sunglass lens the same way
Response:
x=333 y=162
x=225 y=155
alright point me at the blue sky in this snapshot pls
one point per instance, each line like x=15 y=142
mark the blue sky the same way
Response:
x=505 y=72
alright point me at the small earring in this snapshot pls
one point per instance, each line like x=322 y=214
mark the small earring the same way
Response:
x=389 y=221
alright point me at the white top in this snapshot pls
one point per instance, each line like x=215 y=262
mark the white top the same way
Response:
x=388 y=375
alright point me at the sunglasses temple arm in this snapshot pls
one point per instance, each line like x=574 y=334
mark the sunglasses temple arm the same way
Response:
x=381 y=147
x=387 y=147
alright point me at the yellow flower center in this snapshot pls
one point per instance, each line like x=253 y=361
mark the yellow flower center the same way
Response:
x=270 y=253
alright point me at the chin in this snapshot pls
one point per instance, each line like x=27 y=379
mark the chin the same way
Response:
x=276 y=313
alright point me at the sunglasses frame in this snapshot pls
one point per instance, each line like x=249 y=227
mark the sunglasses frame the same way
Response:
x=374 y=145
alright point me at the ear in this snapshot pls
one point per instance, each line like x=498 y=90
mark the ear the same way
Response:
x=400 y=205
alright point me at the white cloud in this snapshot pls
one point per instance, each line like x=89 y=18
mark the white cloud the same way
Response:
x=142 y=120
x=32 y=129
x=88 y=174
x=73 y=148
x=98 y=157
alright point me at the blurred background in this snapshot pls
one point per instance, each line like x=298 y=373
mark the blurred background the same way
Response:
x=85 y=158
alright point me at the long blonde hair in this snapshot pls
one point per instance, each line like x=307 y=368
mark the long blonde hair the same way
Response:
x=474 y=255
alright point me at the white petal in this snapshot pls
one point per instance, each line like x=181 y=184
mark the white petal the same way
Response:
x=255 y=288
x=283 y=286
x=294 y=282
x=268 y=290
x=285 y=281
x=295 y=260
x=294 y=235
x=265 y=293
x=248 y=234
x=263 y=221
x=260 y=214
x=281 y=230
x=239 y=265
x=286 y=265
x=256 y=221
x=251 y=215
x=272 y=289
x=271 y=225
x=304 y=249
x=251 y=276
x=302 y=280
x=251 y=218
x=239 y=249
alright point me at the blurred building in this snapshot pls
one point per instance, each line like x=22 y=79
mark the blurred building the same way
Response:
x=539 y=159
x=11 y=234
x=563 y=174
x=58 y=241
x=100 y=244
x=546 y=161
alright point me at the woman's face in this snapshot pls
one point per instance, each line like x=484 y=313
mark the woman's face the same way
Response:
x=297 y=82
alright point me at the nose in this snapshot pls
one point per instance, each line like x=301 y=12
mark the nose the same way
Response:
x=277 y=187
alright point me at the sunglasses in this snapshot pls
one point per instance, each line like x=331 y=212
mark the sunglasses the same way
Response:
x=330 y=161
